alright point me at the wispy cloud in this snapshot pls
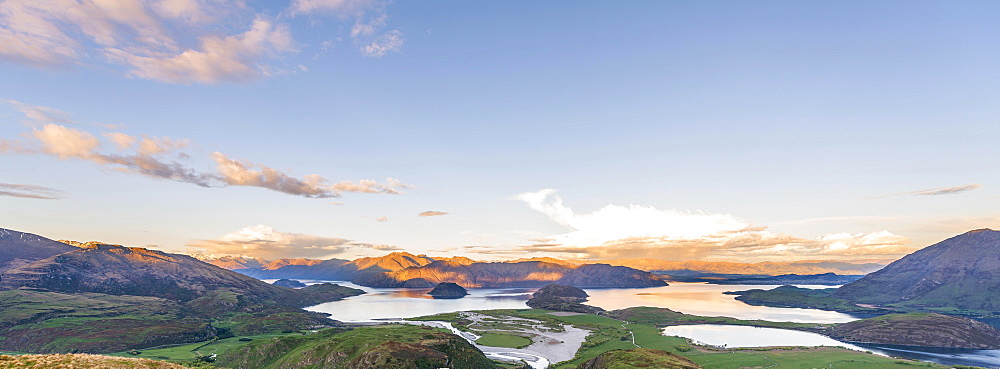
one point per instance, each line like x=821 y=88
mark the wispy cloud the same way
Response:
x=267 y=243
x=643 y=231
x=431 y=213
x=39 y=114
x=160 y=157
x=934 y=191
x=176 y=41
x=234 y=58
x=29 y=191
x=948 y=190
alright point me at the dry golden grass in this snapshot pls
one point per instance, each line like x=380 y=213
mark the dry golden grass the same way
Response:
x=82 y=361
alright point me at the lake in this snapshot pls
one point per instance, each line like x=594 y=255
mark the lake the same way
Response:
x=691 y=298
x=742 y=336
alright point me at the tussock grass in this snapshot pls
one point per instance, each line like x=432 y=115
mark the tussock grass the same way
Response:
x=81 y=361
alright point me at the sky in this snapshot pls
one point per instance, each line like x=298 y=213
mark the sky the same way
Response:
x=739 y=131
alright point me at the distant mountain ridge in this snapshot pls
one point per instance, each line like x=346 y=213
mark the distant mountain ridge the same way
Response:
x=402 y=269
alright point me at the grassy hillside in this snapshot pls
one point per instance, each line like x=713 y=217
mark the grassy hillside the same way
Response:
x=638 y=358
x=916 y=329
x=386 y=346
x=55 y=322
x=610 y=334
x=81 y=361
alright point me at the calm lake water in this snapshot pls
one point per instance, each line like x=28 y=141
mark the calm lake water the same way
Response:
x=691 y=298
x=740 y=336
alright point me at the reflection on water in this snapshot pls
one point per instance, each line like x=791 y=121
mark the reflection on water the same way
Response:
x=388 y=303
x=692 y=298
x=708 y=300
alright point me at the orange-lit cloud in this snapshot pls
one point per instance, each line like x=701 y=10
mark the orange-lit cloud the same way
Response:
x=267 y=243
x=646 y=232
x=431 y=213
x=159 y=157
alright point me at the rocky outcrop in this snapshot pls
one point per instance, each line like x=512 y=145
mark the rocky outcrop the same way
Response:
x=562 y=298
x=929 y=330
x=638 y=358
x=290 y=283
x=447 y=290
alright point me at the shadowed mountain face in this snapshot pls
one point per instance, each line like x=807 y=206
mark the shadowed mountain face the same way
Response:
x=19 y=248
x=119 y=270
x=103 y=298
x=961 y=272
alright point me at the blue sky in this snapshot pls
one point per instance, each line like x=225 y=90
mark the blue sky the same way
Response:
x=676 y=130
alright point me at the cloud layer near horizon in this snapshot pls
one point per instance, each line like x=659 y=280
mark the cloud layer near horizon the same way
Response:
x=29 y=191
x=178 y=41
x=646 y=232
x=159 y=157
x=267 y=243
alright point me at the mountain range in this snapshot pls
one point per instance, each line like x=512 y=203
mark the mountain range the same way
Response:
x=55 y=297
x=402 y=269
x=259 y=267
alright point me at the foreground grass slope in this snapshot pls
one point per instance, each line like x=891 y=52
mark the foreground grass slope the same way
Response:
x=385 y=346
x=81 y=361
x=638 y=358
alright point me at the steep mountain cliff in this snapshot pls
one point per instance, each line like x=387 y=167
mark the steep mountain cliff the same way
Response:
x=962 y=272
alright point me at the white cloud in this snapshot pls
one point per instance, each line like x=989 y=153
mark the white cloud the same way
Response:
x=646 y=232
x=381 y=45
